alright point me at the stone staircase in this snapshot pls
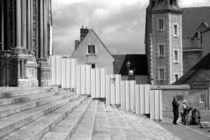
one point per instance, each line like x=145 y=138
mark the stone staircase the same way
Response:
x=55 y=114
x=41 y=113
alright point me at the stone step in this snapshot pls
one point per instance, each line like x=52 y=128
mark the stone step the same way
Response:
x=14 y=108
x=24 y=98
x=66 y=127
x=150 y=130
x=9 y=93
x=16 y=121
x=38 y=128
x=85 y=128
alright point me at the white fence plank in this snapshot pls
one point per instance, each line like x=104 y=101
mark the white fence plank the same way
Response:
x=132 y=95
x=142 y=100
x=123 y=101
x=147 y=98
x=103 y=83
x=78 y=77
x=73 y=63
x=113 y=95
x=160 y=106
x=98 y=83
x=117 y=88
x=82 y=80
x=87 y=75
x=127 y=95
x=108 y=89
x=93 y=83
x=137 y=98
x=152 y=105
x=68 y=73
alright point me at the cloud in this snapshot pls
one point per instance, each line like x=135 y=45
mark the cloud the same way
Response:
x=119 y=23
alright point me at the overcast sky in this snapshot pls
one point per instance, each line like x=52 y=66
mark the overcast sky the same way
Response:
x=119 y=23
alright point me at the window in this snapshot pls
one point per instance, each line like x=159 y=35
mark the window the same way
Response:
x=161 y=50
x=91 y=49
x=175 y=30
x=176 y=56
x=160 y=24
x=176 y=77
x=161 y=74
x=180 y=98
x=202 y=98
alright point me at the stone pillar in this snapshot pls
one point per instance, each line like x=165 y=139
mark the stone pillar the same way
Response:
x=18 y=23
x=41 y=29
x=2 y=25
x=28 y=24
x=44 y=73
x=45 y=22
x=31 y=22
x=24 y=24
x=19 y=76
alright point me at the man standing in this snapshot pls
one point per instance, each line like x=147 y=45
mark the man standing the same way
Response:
x=175 y=105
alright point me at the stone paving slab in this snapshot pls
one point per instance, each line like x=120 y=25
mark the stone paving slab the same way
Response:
x=114 y=124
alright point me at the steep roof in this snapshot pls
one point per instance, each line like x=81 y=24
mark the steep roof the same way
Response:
x=192 y=18
x=89 y=32
x=201 y=65
x=138 y=62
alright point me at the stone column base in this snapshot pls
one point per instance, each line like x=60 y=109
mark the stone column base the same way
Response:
x=27 y=83
x=44 y=73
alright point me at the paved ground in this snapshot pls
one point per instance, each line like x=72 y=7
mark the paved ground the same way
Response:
x=187 y=132
x=113 y=124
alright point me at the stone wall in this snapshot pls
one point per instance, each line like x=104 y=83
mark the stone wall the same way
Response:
x=184 y=92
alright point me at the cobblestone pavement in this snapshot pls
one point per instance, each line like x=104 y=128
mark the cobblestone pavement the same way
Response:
x=113 y=124
x=184 y=132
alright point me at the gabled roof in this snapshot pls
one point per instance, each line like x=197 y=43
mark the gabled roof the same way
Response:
x=138 y=62
x=193 y=17
x=91 y=30
x=201 y=65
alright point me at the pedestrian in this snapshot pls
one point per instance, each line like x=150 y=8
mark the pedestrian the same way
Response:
x=175 y=105
x=184 y=112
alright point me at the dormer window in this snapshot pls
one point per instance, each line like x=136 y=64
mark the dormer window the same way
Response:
x=91 y=50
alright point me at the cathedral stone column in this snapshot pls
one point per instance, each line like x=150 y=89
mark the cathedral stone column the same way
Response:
x=24 y=24
x=2 y=25
x=18 y=23
x=41 y=29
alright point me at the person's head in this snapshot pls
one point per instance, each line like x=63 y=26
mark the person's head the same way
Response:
x=184 y=102
x=174 y=98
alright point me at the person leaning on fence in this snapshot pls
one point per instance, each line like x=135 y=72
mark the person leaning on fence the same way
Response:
x=175 y=105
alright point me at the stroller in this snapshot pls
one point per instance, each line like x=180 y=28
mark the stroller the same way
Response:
x=195 y=117
x=185 y=115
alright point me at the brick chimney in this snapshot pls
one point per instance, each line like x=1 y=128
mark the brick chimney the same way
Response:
x=83 y=33
x=77 y=42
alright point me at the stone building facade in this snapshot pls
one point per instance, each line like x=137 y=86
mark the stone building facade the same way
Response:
x=163 y=40
x=26 y=30
x=92 y=51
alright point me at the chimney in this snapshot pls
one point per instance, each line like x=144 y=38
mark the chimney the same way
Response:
x=77 y=42
x=83 y=33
